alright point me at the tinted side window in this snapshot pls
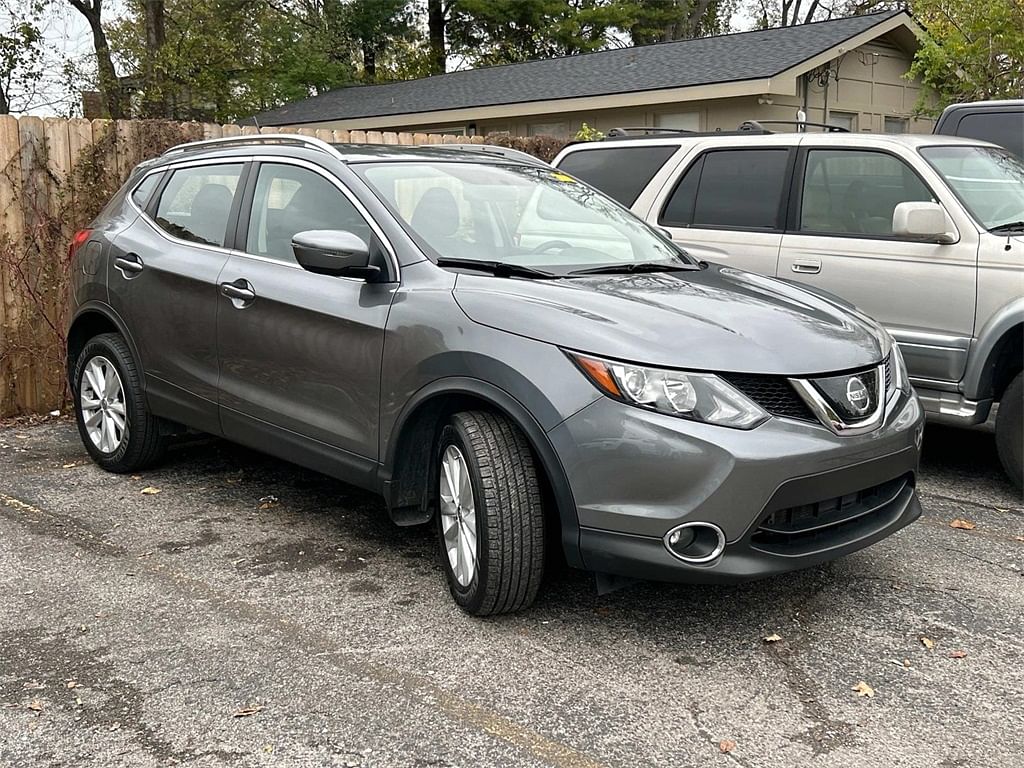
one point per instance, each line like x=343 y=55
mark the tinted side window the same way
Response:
x=196 y=202
x=288 y=200
x=1003 y=128
x=140 y=195
x=621 y=173
x=735 y=188
x=855 y=192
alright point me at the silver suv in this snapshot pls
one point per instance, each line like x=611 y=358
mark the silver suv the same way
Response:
x=923 y=233
x=493 y=346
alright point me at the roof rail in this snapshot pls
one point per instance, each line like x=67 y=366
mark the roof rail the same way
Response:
x=644 y=130
x=263 y=138
x=491 y=149
x=758 y=125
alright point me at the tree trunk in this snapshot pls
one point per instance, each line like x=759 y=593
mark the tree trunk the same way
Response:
x=369 y=61
x=110 y=88
x=435 y=26
x=156 y=98
x=5 y=104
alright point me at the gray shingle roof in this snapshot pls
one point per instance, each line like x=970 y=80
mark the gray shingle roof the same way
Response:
x=702 y=61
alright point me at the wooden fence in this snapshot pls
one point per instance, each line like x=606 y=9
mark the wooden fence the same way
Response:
x=55 y=176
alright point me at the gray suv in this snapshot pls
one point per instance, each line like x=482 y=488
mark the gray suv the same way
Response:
x=493 y=346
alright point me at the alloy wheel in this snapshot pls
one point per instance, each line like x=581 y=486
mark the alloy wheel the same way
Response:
x=102 y=402
x=458 y=516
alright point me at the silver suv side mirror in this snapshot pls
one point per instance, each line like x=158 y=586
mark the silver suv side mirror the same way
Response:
x=921 y=221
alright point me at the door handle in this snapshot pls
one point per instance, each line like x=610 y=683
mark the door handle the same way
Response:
x=129 y=263
x=808 y=267
x=240 y=292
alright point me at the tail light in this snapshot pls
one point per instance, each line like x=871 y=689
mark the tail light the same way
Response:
x=77 y=242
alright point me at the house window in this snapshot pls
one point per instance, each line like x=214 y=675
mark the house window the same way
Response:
x=895 y=125
x=679 y=121
x=549 y=129
x=847 y=120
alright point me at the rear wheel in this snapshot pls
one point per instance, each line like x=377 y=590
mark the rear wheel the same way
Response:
x=1009 y=432
x=490 y=517
x=116 y=427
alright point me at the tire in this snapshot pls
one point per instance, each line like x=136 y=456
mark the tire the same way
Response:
x=1009 y=432
x=139 y=443
x=508 y=515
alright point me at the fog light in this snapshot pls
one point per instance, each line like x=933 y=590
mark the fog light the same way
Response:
x=695 y=543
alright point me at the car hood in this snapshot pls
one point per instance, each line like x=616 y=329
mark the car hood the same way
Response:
x=715 y=319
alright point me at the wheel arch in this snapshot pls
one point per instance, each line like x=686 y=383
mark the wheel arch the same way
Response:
x=998 y=354
x=91 y=320
x=405 y=484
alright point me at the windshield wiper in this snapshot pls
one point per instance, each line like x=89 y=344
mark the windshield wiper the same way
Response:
x=497 y=268
x=1010 y=226
x=637 y=266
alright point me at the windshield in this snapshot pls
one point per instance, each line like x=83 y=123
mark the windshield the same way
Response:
x=989 y=181
x=515 y=214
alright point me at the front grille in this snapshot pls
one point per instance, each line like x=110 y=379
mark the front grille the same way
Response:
x=812 y=526
x=888 y=373
x=773 y=393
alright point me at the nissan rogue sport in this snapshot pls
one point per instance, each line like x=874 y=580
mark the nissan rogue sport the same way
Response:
x=493 y=346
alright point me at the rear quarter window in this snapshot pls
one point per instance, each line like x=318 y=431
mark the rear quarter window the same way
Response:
x=620 y=172
x=1003 y=128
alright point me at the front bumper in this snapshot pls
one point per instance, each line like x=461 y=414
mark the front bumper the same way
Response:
x=637 y=474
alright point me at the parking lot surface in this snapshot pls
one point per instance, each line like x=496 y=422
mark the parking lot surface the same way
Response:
x=230 y=609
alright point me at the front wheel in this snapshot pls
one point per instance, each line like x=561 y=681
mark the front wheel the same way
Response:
x=490 y=518
x=118 y=431
x=1009 y=432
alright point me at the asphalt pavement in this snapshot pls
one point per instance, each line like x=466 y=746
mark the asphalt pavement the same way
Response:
x=228 y=609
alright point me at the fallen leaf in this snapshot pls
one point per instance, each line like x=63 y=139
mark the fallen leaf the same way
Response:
x=150 y=490
x=963 y=525
x=863 y=689
x=247 y=711
x=725 y=746
x=72 y=684
x=1019 y=538
x=35 y=705
x=268 y=501
x=927 y=642
x=72 y=464
x=958 y=655
x=136 y=477
x=772 y=638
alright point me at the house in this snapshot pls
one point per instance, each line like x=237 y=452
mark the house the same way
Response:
x=850 y=72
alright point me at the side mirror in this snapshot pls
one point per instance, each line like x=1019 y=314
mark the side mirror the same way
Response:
x=921 y=221
x=334 y=252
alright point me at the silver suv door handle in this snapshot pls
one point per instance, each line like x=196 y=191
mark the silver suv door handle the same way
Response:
x=809 y=267
x=240 y=292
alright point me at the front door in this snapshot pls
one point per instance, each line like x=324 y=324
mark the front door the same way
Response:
x=841 y=240
x=163 y=282
x=300 y=353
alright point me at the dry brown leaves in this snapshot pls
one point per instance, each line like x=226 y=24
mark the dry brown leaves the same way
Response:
x=863 y=689
x=963 y=525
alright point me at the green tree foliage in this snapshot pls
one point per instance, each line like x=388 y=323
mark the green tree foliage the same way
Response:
x=21 y=54
x=657 y=21
x=486 y=32
x=973 y=49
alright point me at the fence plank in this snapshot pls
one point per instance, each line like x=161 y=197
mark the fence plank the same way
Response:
x=11 y=233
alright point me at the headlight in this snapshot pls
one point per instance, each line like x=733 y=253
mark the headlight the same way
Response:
x=697 y=396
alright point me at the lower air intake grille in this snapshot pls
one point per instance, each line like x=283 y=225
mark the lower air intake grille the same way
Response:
x=811 y=526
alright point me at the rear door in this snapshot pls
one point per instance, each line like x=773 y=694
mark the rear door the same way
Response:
x=840 y=239
x=163 y=283
x=728 y=204
x=300 y=353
